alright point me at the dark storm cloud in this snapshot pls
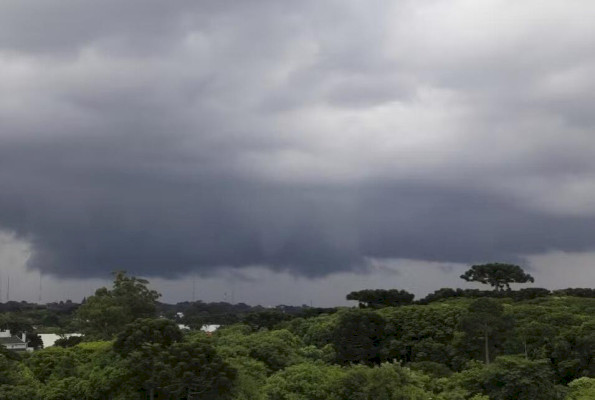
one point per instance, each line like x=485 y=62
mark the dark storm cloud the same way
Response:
x=308 y=137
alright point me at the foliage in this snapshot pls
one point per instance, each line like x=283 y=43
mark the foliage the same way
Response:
x=317 y=381
x=106 y=313
x=141 y=332
x=195 y=371
x=275 y=349
x=384 y=382
x=16 y=323
x=70 y=341
x=512 y=378
x=251 y=378
x=421 y=333
x=265 y=319
x=434 y=369
x=485 y=326
x=497 y=275
x=307 y=381
x=318 y=331
x=16 y=382
x=358 y=336
x=161 y=364
x=517 y=295
x=581 y=389
x=540 y=346
x=381 y=298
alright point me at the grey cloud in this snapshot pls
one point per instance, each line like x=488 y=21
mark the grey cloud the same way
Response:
x=304 y=137
x=88 y=221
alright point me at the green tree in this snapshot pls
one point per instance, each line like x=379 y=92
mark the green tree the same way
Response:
x=358 y=337
x=276 y=349
x=16 y=323
x=251 y=379
x=512 y=378
x=485 y=321
x=573 y=352
x=53 y=362
x=581 y=389
x=161 y=365
x=135 y=294
x=422 y=333
x=107 y=312
x=105 y=376
x=162 y=332
x=307 y=381
x=192 y=371
x=148 y=373
x=534 y=337
x=70 y=341
x=497 y=275
x=265 y=319
x=376 y=298
x=383 y=382
x=16 y=381
x=318 y=331
x=60 y=389
x=196 y=372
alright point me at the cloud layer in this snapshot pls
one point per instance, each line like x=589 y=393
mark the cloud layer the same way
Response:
x=307 y=137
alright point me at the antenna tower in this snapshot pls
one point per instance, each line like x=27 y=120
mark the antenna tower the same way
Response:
x=39 y=298
x=194 y=288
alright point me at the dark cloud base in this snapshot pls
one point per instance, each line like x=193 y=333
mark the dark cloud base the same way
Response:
x=85 y=220
x=301 y=136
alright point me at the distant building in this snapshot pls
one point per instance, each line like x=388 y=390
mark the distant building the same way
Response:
x=49 y=339
x=209 y=328
x=12 y=342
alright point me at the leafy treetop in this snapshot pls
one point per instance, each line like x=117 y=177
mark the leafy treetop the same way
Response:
x=108 y=311
x=376 y=298
x=497 y=275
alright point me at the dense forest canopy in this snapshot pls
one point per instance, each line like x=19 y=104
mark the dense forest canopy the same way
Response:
x=454 y=344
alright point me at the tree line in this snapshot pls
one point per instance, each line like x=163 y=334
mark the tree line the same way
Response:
x=502 y=346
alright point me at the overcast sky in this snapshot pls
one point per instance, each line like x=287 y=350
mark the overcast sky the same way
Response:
x=290 y=152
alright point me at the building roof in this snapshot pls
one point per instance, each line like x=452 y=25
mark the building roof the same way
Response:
x=210 y=328
x=11 y=340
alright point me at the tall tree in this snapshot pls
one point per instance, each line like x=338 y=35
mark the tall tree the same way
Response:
x=358 y=337
x=191 y=371
x=485 y=321
x=196 y=372
x=107 y=312
x=497 y=275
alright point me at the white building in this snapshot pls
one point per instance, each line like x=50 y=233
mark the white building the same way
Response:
x=49 y=339
x=210 y=328
x=12 y=342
